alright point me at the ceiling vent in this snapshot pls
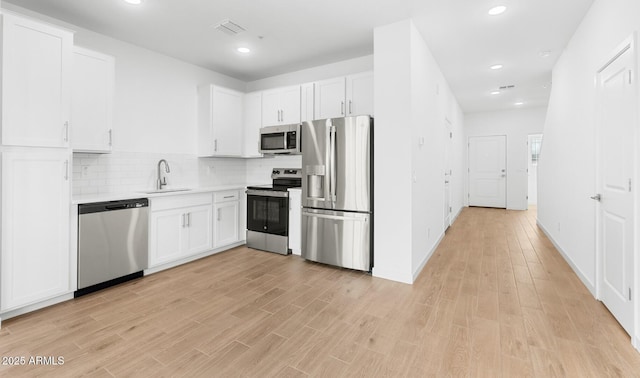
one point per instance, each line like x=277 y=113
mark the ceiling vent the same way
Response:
x=229 y=27
x=502 y=88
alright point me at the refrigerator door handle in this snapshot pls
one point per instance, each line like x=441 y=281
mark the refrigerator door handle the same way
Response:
x=332 y=165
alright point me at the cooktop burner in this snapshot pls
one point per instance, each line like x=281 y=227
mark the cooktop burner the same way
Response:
x=283 y=179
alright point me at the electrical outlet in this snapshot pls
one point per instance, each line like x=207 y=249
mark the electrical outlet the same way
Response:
x=85 y=171
x=558 y=226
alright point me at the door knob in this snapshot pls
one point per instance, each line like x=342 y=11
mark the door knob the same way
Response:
x=597 y=197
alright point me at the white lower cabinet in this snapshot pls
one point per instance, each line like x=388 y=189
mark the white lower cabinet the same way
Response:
x=35 y=256
x=226 y=211
x=181 y=226
x=295 y=220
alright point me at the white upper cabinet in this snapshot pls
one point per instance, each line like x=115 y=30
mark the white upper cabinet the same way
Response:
x=252 y=122
x=344 y=96
x=281 y=106
x=36 y=67
x=330 y=98
x=219 y=121
x=306 y=102
x=359 y=99
x=92 y=101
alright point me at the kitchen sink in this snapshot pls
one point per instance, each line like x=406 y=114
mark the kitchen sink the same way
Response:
x=156 y=191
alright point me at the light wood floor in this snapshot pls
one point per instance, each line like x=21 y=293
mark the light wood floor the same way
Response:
x=495 y=300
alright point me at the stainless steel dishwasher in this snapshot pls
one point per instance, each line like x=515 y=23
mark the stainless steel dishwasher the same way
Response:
x=112 y=243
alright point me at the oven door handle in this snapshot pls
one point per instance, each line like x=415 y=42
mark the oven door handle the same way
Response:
x=266 y=193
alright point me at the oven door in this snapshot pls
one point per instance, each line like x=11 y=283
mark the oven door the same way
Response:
x=268 y=212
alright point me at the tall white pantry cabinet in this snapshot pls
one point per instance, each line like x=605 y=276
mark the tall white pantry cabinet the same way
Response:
x=36 y=162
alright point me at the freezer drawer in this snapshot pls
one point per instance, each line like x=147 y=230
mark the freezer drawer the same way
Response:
x=337 y=238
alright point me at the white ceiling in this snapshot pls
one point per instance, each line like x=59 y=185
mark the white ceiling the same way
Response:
x=289 y=35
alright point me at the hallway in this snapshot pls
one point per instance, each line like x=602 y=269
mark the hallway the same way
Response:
x=495 y=300
x=515 y=303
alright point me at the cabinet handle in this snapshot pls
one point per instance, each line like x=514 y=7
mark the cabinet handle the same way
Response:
x=218 y=216
x=66 y=131
x=66 y=170
x=188 y=216
x=342 y=107
x=110 y=137
x=228 y=196
x=183 y=222
x=350 y=110
x=215 y=145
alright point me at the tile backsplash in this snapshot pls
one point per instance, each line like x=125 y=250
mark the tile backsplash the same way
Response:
x=130 y=172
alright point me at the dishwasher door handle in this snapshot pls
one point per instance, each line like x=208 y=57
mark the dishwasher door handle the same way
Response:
x=115 y=207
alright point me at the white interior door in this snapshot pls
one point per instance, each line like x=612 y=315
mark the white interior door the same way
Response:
x=615 y=223
x=447 y=173
x=488 y=171
x=534 y=144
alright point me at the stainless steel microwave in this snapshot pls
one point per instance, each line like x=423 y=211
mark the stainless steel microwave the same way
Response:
x=283 y=139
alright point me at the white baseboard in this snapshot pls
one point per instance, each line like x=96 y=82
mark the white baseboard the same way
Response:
x=173 y=264
x=586 y=281
x=453 y=220
x=424 y=262
x=36 y=306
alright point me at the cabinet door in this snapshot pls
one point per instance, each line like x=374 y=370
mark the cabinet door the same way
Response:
x=252 y=123
x=290 y=105
x=36 y=64
x=270 y=108
x=199 y=229
x=92 y=101
x=295 y=221
x=35 y=226
x=360 y=94
x=227 y=121
x=166 y=236
x=330 y=98
x=307 y=104
x=226 y=223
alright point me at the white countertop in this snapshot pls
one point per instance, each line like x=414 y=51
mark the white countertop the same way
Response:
x=101 y=197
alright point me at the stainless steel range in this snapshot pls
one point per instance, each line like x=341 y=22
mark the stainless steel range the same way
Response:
x=268 y=211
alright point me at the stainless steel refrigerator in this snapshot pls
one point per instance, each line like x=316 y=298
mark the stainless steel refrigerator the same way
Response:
x=337 y=192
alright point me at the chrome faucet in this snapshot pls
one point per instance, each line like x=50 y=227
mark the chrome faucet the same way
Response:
x=162 y=181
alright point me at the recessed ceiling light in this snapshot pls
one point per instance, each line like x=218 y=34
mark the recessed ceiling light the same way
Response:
x=134 y=2
x=495 y=92
x=497 y=10
x=545 y=53
x=519 y=103
x=243 y=50
x=496 y=66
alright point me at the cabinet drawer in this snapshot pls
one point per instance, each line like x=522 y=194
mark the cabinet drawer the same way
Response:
x=226 y=196
x=179 y=201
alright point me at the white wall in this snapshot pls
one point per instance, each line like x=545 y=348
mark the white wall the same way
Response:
x=516 y=125
x=412 y=101
x=432 y=103
x=392 y=152
x=566 y=170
